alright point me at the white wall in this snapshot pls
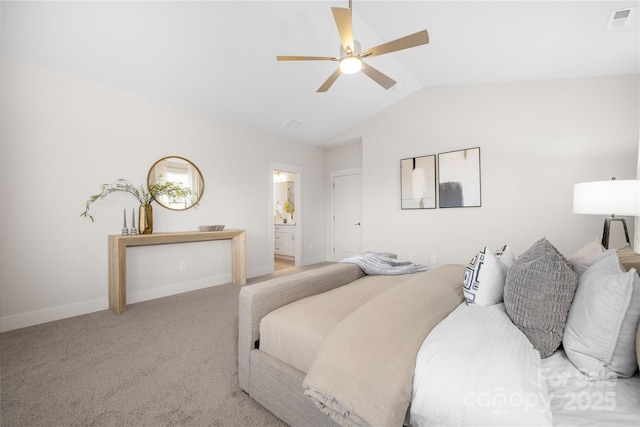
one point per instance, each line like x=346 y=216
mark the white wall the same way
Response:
x=347 y=155
x=62 y=137
x=537 y=140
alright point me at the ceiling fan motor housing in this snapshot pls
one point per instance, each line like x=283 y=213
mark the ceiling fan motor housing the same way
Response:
x=356 y=50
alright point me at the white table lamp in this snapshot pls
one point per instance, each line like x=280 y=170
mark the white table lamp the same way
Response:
x=615 y=197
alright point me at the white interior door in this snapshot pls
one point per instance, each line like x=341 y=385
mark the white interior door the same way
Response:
x=347 y=216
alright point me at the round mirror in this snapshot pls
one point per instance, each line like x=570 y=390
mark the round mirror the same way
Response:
x=176 y=183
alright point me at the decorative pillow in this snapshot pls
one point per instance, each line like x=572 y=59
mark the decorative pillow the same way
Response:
x=539 y=288
x=586 y=256
x=506 y=255
x=603 y=320
x=484 y=276
x=628 y=258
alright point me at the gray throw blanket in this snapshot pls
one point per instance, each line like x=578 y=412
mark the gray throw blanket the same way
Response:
x=377 y=263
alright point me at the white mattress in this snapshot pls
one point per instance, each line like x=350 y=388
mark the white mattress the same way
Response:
x=294 y=333
x=575 y=402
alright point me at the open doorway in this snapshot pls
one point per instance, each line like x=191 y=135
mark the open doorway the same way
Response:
x=286 y=217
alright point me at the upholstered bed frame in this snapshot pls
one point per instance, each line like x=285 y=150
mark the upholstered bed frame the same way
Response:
x=272 y=383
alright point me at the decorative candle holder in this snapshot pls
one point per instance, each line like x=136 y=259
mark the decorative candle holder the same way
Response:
x=125 y=230
x=133 y=230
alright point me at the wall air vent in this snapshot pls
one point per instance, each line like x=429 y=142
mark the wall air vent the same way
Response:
x=292 y=124
x=621 y=18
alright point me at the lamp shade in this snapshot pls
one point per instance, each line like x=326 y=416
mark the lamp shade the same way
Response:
x=615 y=197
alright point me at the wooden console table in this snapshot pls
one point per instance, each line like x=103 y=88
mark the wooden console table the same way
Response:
x=118 y=257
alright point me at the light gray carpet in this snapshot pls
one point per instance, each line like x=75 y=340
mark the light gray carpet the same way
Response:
x=167 y=362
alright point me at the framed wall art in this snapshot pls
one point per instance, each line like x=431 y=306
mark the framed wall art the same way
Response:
x=459 y=178
x=418 y=182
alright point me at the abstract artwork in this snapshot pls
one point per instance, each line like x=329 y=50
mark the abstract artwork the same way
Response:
x=418 y=182
x=459 y=178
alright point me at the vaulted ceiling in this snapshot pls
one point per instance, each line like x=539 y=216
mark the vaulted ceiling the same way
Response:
x=218 y=58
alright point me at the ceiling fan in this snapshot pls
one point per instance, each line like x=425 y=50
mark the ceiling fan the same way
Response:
x=351 y=55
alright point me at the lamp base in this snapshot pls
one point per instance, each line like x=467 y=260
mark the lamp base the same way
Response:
x=605 y=233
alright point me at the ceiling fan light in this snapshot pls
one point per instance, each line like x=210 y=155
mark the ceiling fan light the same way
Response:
x=350 y=65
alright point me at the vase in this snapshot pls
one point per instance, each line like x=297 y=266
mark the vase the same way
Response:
x=145 y=220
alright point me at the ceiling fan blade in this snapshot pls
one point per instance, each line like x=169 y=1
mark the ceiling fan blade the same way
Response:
x=332 y=78
x=305 y=58
x=345 y=27
x=382 y=79
x=413 y=40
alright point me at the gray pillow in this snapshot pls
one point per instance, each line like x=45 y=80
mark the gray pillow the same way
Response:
x=538 y=291
x=586 y=257
x=601 y=330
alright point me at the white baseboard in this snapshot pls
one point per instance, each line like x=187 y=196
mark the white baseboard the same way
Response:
x=23 y=320
x=315 y=260
x=176 y=288
x=261 y=271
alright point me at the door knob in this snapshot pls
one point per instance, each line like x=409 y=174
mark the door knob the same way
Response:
x=357 y=223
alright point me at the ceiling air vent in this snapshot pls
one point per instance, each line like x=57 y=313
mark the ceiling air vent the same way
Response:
x=621 y=18
x=292 y=124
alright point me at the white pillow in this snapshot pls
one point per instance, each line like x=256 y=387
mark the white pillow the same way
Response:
x=601 y=327
x=506 y=255
x=586 y=256
x=485 y=275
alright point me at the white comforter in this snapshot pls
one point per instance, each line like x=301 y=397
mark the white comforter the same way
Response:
x=477 y=368
x=576 y=401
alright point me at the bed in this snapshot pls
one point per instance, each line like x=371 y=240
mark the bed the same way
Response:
x=448 y=346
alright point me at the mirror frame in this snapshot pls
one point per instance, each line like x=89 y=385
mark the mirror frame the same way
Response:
x=149 y=182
